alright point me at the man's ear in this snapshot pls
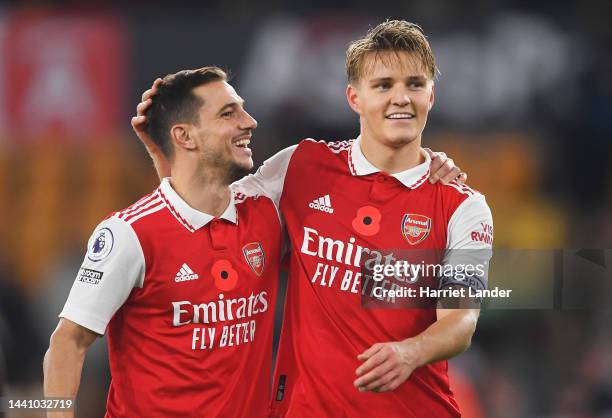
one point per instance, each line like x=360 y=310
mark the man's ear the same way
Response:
x=352 y=97
x=181 y=137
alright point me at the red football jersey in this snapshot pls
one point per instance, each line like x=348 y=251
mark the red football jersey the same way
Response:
x=335 y=204
x=188 y=302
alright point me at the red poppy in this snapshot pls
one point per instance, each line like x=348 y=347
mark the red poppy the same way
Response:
x=367 y=221
x=225 y=276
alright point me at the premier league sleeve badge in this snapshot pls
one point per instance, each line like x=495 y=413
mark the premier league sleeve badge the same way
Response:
x=100 y=244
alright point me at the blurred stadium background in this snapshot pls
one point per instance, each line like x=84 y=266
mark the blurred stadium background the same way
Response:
x=523 y=104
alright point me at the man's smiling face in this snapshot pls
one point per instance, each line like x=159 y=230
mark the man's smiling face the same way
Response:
x=392 y=98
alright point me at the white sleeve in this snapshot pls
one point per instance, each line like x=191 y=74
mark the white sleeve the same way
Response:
x=469 y=243
x=113 y=266
x=268 y=180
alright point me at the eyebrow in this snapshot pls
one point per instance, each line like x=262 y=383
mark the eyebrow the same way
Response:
x=412 y=78
x=231 y=105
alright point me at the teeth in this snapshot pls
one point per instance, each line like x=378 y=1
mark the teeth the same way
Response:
x=243 y=143
x=400 y=116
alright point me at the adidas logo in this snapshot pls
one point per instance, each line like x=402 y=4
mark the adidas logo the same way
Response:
x=185 y=273
x=323 y=204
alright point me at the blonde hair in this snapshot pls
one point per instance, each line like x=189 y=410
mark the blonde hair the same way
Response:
x=394 y=36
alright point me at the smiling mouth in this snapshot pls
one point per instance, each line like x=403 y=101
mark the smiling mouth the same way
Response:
x=243 y=143
x=400 y=116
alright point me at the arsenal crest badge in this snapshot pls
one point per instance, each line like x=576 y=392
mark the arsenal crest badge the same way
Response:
x=415 y=228
x=254 y=255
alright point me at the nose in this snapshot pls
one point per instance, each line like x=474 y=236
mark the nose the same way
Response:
x=401 y=97
x=248 y=121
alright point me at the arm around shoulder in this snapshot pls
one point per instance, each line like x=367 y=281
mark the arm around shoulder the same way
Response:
x=269 y=178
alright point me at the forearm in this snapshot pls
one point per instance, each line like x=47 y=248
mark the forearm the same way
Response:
x=62 y=367
x=161 y=163
x=449 y=336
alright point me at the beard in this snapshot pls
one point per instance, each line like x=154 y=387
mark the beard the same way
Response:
x=235 y=172
x=226 y=169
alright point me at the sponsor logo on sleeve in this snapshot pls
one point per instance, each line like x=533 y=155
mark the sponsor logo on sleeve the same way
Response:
x=484 y=235
x=100 y=244
x=89 y=276
x=415 y=228
x=255 y=257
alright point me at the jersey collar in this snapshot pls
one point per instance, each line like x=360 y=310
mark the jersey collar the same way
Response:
x=411 y=178
x=191 y=218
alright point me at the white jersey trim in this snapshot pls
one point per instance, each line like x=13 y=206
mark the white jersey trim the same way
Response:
x=159 y=205
x=461 y=188
x=143 y=203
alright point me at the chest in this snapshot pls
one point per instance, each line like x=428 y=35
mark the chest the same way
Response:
x=374 y=211
x=220 y=260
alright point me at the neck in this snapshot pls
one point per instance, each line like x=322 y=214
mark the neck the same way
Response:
x=202 y=189
x=391 y=158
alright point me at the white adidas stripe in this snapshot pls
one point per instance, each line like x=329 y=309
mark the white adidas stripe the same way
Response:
x=159 y=206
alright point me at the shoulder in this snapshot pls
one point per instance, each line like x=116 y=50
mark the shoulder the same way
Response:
x=460 y=200
x=121 y=226
x=250 y=201
x=141 y=209
x=454 y=194
x=334 y=147
x=459 y=190
x=322 y=152
x=111 y=237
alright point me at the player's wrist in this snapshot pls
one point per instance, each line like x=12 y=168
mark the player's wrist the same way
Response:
x=415 y=352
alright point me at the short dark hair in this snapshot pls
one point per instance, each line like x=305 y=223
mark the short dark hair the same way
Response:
x=175 y=103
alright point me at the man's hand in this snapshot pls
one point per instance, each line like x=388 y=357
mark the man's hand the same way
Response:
x=444 y=169
x=139 y=124
x=387 y=365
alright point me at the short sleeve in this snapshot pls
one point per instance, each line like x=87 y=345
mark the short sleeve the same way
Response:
x=269 y=179
x=113 y=266
x=469 y=244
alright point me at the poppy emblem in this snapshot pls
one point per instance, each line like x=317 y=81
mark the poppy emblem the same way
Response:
x=226 y=278
x=415 y=228
x=255 y=257
x=367 y=221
